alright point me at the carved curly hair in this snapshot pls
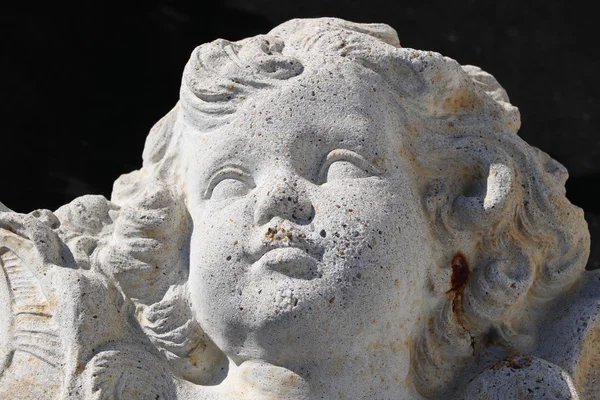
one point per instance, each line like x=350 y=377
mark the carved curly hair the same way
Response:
x=497 y=205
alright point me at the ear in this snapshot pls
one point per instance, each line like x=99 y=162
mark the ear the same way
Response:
x=483 y=201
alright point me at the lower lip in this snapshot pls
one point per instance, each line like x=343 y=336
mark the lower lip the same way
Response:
x=290 y=261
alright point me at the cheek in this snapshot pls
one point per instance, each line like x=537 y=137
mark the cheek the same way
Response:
x=373 y=229
x=356 y=220
x=213 y=253
x=215 y=273
x=219 y=230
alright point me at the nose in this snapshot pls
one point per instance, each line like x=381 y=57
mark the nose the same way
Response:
x=284 y=196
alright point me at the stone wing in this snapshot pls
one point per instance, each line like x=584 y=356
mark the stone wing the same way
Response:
x=29 y=337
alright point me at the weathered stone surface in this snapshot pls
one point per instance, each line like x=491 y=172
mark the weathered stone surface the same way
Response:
x=324 y=214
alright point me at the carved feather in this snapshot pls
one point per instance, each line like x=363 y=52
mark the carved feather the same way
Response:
x=26 y=314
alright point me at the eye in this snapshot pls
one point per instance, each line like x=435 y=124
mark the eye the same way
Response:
x=228 y=183
x=343 y=164
x=342 y=169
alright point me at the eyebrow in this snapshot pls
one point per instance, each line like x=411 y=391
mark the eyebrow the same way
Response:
x=228 y=151
x=223 y=162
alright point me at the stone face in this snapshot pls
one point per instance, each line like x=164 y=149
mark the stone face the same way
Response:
x=324 y=214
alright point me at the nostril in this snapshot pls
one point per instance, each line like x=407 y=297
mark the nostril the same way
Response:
x=284 y=200
x=303 y=215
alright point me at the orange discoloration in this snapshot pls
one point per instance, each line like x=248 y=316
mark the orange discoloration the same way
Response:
x=461 y=100
x=459 y=279
x=460 y=274
x=514 y=362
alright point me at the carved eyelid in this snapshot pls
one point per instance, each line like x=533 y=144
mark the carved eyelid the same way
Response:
x=228 y=172
x=345 y=155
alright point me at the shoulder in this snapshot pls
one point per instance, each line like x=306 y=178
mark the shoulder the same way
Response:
x=570 y=335
x=521 y=378
x=565 y=363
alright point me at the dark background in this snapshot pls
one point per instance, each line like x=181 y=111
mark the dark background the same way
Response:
x=82 y=84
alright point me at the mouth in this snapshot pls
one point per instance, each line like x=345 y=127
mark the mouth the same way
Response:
x=293 y=262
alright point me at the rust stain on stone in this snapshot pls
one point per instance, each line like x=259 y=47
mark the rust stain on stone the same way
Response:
x=514 y=362
x=460 y=274
x=458 y=282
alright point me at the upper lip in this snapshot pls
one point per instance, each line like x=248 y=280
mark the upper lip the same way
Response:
x=281 y=238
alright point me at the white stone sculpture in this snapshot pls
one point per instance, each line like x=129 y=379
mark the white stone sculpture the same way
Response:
x=323 y=215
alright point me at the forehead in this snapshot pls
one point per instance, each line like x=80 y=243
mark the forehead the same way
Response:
x=321 y=99
x=317 y=112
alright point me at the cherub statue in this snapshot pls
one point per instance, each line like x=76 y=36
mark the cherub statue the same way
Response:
x=323 y=215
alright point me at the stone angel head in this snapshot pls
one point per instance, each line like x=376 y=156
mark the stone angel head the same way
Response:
x=324 y=214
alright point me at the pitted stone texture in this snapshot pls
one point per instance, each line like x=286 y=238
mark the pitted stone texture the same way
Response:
x=324 y=214
x=521 y=378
